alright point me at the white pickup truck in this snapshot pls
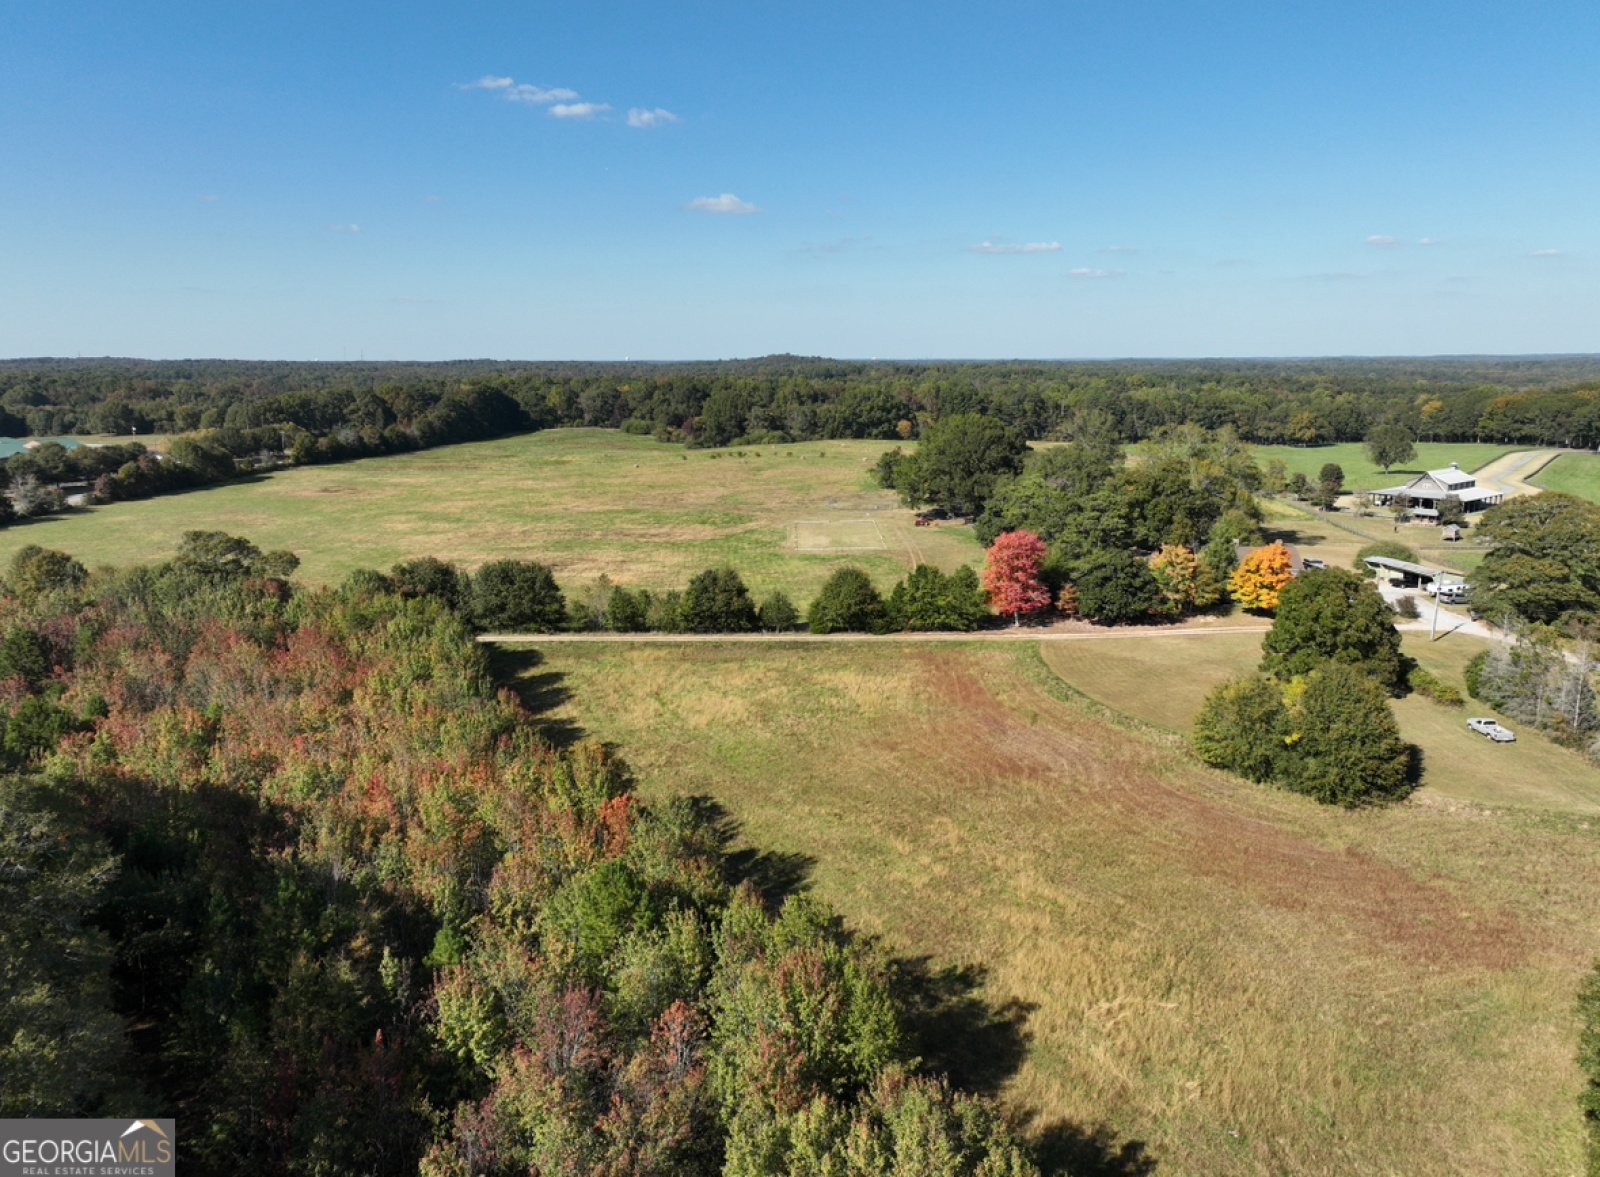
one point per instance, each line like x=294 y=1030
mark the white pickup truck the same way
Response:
x=1488 y=727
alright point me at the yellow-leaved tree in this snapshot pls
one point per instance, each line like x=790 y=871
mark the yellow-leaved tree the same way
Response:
x=1259 y=577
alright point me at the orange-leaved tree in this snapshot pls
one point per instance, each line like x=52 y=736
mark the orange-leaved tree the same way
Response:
x=1011 y=575
x=1177 y=571
x=1256 y=582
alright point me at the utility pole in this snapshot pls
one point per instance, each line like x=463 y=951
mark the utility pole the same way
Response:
x=1438 y=583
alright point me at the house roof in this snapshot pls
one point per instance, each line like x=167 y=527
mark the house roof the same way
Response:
x=1439 y=484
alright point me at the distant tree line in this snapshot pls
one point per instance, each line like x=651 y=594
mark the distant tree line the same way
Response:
x=381 y=407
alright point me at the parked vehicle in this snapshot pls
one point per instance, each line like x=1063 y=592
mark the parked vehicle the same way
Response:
x=1450 y=594
x=1488 y=727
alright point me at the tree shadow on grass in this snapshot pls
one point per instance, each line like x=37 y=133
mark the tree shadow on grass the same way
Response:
x=1065 y=1149
x=775 y=874
x=516 y=668
x=979 y=1045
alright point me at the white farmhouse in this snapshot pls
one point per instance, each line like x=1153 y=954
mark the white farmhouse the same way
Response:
x=1426 y=491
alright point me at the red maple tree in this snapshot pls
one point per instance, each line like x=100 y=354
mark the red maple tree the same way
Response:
x=1011 y=575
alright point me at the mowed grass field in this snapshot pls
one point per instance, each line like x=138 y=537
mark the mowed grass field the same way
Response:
x=1576 y=474
x=1457 y=763
x=1361 y=474
x=588 y=502
x=1218 y=977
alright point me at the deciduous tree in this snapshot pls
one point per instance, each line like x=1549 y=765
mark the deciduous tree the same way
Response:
x=1260 y=577
x=1331 y=615
x=847 y=601
x=1011 y=575
x=1390 y=444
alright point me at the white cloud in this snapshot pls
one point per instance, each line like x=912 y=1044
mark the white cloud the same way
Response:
x=1085 y=272
x=578 y=110
x=990 y=247
x=208 y=199
x=645 y=119
x=726 y=203
x=1547 y=253
x=344 y=228
x=1429 y=241
x=540 y=95
x=513 y=91
x=1383 y=241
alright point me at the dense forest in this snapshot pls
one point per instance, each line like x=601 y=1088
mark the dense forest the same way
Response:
x=285 y=865
x=348 y=408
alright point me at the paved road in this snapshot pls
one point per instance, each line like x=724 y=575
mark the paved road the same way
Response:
x=1513 y=470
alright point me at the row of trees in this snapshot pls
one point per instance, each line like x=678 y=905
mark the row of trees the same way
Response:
x=296 y=874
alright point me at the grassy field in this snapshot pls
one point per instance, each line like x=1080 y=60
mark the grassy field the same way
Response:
x=1220 y=978
x=1576 y=474
x=1361 y=474
x=1457 y=764
x=586 y=501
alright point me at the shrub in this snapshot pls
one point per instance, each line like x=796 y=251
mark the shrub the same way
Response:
x=848 y=601
x=517 y=595
x=1406 y=607
x=1433 y=687
x=1473 y=674
x=1329 y=735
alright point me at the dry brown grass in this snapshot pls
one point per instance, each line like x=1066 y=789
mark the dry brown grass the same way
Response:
x=1245 y=981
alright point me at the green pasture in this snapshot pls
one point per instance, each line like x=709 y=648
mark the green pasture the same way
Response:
x=1361 y=474
x=589 y=502
x=1574 y=474
x=1169 y=963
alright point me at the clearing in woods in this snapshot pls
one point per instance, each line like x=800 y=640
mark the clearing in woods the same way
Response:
x=1178 y=965
x=588 y=502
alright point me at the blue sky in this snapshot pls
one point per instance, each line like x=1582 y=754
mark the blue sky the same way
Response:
x=702 y=180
